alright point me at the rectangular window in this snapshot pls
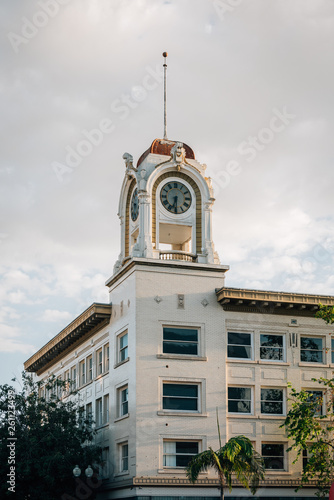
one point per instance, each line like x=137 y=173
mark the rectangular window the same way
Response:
x=318 y=398
x=179 y=453
x=104 y=470
x=332 y=346
x=99 y=362
x=89 y=368
x=273 y=456
x=98 y=412
x=123 y=404
x=271 y=347
x=106 y=357
x=124 y=457
x=82 y=372
x=89 y=413
x=106 y=409
x=239 y=400
x=73 y=378
x=67 y=381
x=180 y=341
x=272 y=401
x=180 y=397
x=311 y=349
x=239 y=345
x=123 y=347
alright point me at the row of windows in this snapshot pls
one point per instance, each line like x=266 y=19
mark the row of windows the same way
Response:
x=178 y=453
x=273 y=400
x=102 y=407
x=272 y=347
x=92 y=366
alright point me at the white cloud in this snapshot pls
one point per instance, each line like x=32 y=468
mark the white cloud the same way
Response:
x=53 y=315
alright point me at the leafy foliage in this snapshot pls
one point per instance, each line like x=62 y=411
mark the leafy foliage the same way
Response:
x=326 y=313
x=236 y=458
x=52 y=436
x=313 y=432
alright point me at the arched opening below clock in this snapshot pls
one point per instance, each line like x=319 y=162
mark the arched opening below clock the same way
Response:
x=175 y=237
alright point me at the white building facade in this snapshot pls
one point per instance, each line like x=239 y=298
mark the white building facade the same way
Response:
x=174 y=344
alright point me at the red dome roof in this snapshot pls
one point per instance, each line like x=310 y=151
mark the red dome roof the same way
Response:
x=163 y=147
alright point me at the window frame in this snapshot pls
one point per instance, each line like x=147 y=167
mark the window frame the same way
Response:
x=251 y=411
x=82 y=372
x=122 y=349
x=165 y=454
x=73 y=377
x=99 y=412
x=198 y=398
x=123 y=457
x=322 y=407
x=99 y=361
x=169 y=341
x=283 y=401
x=89 y=368
x=283 y=348
x=283 y=457
x=120 y=403
x=250 y=346
x=303 y=350
x=105 y=409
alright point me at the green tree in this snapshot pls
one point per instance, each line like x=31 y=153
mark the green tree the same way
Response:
x=41 y=441
x=312 y=433
x=326 y=313
x=237 y=457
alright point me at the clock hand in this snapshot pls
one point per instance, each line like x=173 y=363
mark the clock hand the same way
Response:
x=175 y=204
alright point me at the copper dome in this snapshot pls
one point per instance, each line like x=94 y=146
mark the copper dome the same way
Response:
x=163 y=147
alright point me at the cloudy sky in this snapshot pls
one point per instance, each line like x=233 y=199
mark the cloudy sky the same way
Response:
x=250 y=89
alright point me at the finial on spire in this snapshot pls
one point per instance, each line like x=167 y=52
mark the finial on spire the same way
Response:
x=165 y=94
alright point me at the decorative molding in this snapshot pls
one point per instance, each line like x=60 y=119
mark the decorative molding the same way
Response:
x=205 y=302
x=158 y=299
x=96 y=316
x=270 y=302
x=214 y=483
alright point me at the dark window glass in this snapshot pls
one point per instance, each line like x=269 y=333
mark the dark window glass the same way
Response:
x=180 y=397
x=239 y=399
x=317 y=397
x=273 y=456
x=272 y=401
x=179 y=453
x=311 y=349
x=239 y=345
x=271 y=347
x=180 y=341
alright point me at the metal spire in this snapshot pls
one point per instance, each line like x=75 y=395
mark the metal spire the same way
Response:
x=165 y=94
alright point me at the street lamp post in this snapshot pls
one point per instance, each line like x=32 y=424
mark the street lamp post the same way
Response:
x=87 y=486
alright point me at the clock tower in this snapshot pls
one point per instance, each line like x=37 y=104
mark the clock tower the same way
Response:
x=165 y=206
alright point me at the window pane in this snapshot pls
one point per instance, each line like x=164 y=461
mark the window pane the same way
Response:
x=239 y=393
x=239 y=352
x=271 y=340
x=273 y=456
x=311 y=356
x=311 y=343
x=180 y=348
x=239 y=338
x=180 y=390
x=123 y=341
x=239 y=406
x=180 y=334
x=179 y=453
x=170 y=403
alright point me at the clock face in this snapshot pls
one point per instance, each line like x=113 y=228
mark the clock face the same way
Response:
x=134 y=206
x=175 y=197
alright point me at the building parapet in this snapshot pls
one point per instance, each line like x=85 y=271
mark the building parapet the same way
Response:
x=271 y=302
